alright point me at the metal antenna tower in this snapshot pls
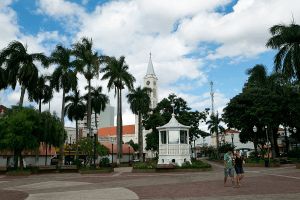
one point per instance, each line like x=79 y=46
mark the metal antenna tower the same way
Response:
x=212 y=98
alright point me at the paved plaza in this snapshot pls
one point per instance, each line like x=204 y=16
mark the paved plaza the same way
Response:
x=259 y=183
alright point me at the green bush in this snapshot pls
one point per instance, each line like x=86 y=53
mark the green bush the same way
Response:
x=155 y=159
x=141 y=166
x=104 y=161
x=293 y=153
x=77 y=162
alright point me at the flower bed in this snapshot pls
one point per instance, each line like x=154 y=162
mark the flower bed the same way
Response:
x=97 y=171
x=18 y=173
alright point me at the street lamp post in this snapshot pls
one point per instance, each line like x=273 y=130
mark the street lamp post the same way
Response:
x=295 y=130
x=268 y=145
x=232 y=136
x=112 y=151
x=95 y=132
x=129 y=153
x=255 y=130
x=70 y=150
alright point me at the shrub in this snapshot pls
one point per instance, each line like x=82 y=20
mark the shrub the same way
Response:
x=155 y=159
x=141 y=166
x=104 y=161
x=77 y=162
x=293 y=153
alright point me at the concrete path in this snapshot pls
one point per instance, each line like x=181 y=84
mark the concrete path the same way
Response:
x=259 y=183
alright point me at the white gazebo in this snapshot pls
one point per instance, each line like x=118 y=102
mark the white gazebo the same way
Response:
x=173 y=142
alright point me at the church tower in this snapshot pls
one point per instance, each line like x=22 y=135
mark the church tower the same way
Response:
x=150 y=81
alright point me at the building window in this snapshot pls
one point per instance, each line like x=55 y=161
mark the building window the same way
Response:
x=173 y=137
x=183 y=137
x=163 y=137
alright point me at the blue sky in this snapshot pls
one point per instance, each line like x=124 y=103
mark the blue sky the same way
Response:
x=192 y=42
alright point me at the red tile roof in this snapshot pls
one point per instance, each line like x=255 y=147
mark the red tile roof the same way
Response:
x=124 y=148
x=129 y=129
x=42 y=152
x=230 y=131
x=280 y=129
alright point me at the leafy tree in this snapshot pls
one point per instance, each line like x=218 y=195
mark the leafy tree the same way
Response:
x=214 y=127
x=86 y=147
x=21 y=67
x=139 y=102
x=98 y=101
x=224 y=148
x=75 y=110
x=286 y=39
x=134 y=146
x=63 y=78
x=22 y=130
x=51 y=128
x=116 y=72
x=162 y=115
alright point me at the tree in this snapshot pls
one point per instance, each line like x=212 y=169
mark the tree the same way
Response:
x=41 y=92
x=116 y=72
x=75 y=110
x=139 y=102
x=214 y=127
x=86 y=147
x=134 y=146
x=51 y=127
x=3 y=77
x=88 y=63
x=21 y=67
x=286 y=39
x=162 y=115
x=21 y=130
x=98 y=100
x=63 y=78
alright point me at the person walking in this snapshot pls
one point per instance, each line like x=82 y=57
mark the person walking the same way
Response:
x=228 y=169
x=239 y=161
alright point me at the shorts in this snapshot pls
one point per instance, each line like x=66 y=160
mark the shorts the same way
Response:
x=228 y=171
x=239 y=169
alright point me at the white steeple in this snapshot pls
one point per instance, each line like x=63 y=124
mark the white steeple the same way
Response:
x=150 y=69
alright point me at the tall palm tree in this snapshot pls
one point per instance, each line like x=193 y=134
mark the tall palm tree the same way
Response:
x=89 y=63
x=286 y=39
x=116 y=72
x=41 y=92
x=214 y=127
x=139 y=102
x=63 y=78
x=98 y=101
x=75 y=110
x=21 y=67
x=3 y=82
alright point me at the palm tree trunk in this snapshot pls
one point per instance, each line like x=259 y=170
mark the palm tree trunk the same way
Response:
x=217 y=142
x=96 y=125
x=140 y=138
x=61 y=146
x=118 y=128
x=49 y=106
x=271 y=138
x=22 y=95
x=89 y=108
x=37 y=156
x=255 y=146
x=76 y=139
x=121 y=128
x=40 y=106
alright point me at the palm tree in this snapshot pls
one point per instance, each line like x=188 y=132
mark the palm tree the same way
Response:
x=286 y=39
x=41 y=92
x=63 y=78
x=98 y=101
x=75 y=110
x=118 y=76
x=21 y=67
x=89 y=63
x=214 y=126
x=3 y=82
x=139 y=102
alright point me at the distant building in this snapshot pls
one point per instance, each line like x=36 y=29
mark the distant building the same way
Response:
x=105 y=135
x=105 y=119
x=2 y=110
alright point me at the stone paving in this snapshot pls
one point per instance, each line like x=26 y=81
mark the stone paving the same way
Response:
x=259 y=183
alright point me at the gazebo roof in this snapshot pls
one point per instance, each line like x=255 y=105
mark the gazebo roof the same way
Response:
x=173 y=123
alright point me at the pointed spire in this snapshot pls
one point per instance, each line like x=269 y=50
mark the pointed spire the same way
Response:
x=150 y=70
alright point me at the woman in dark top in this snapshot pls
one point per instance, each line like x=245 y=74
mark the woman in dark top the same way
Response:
x=239 y=161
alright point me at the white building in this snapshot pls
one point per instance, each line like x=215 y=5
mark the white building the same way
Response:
x=150 y=81
x=105 y=119
x=174 y=143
